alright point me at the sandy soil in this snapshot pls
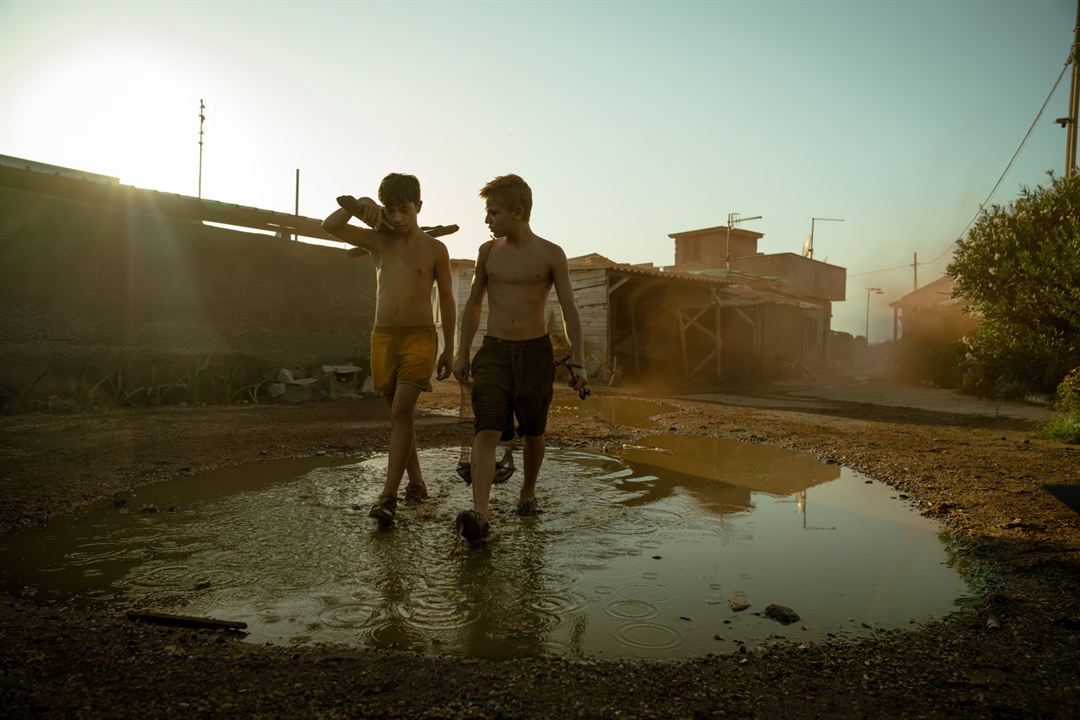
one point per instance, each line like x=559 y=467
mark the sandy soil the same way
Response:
x=1014 y=652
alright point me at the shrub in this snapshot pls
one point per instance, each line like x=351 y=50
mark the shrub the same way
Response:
x=1065 y=424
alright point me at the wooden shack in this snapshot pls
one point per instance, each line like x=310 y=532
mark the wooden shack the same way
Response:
x=642 y=324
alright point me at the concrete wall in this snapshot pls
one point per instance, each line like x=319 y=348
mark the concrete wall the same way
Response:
x=804 y=276
x=83 y=286
x=710 y=249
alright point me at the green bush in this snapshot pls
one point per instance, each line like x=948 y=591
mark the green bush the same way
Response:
x=1068 y=392
x=1064 y=426
x=1019 y=270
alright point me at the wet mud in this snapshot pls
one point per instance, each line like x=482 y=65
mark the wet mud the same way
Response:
x=1009 y=649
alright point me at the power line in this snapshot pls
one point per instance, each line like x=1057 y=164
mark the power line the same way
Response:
x=1008 y=167
x=871 y=272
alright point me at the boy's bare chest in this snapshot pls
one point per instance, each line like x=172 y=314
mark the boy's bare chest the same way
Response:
x=514 y=267
x=403 y=258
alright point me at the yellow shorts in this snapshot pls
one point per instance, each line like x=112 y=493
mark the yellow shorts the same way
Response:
x=402 y=355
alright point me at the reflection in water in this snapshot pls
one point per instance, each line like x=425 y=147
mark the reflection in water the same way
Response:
x=637 y=555
x=631 y=412
x=720 y=473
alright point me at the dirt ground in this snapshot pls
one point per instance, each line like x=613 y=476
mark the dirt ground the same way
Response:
x=1013 y=652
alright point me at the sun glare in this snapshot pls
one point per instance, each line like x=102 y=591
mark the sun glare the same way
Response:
x=105 y=104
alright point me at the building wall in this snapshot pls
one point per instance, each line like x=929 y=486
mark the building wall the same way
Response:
x=591 y=297
x=710 y=250
x=792 y=333
x=804 y=276
x=84 y=287
x=461 y=275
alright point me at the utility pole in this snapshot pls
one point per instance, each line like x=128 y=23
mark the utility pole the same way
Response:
x=915 y=269
x=869 y=290
x=202 y=118
x=296 y=211
x=733 y=219
x=1074 y=100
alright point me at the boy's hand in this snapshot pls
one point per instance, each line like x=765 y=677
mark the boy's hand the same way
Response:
x=364 y=209
x=446 y=361
x=578 y=379
x=461 y=368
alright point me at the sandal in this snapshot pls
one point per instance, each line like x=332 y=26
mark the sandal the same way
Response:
x=504 y=468
x=471 y=526
x=383 y=510
x=528 y=508
x=415 y=494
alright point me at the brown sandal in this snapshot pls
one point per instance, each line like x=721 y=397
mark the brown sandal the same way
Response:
x=471 y=526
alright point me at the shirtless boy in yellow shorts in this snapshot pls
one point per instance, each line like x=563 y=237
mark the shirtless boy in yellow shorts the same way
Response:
x=403 y=341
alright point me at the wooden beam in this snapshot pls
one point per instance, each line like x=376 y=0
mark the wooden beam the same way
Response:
x=616 y=286
x=682 y=340
x=719 y=341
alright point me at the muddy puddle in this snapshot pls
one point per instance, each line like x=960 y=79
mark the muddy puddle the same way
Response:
x=639 y=553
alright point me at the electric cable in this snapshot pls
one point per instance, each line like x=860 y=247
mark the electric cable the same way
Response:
x=1008 y=167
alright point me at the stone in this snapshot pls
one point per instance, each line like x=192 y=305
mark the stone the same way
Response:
x=781 y=614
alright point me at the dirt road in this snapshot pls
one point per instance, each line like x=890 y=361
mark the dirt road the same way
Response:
x=1014 y=652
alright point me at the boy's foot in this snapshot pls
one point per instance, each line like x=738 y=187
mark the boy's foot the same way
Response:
x=471 y=526
x=464 y=471
x=415 y=494
x=528 y=508
x=383 y=510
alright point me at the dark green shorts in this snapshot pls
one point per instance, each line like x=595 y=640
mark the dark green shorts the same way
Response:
x=513 y=379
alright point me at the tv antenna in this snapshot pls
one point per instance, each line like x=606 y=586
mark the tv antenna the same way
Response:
x=202 y=118
x=808 y=244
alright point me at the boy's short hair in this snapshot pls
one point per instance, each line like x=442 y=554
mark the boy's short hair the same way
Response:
x=511 y=191
x=398 y=188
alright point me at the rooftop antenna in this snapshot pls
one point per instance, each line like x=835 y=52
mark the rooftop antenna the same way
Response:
x=808 y=245
x=733 y=219
x=202 y=118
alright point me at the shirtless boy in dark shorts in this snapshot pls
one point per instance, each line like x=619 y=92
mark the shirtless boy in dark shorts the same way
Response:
x=513 y=371
x=403 y=341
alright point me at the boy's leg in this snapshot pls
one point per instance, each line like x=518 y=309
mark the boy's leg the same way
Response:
x=533 y=459
x=415 y=490
x=485 y=442
x=402 y=437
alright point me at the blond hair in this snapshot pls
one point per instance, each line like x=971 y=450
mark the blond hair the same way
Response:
x=509 y=190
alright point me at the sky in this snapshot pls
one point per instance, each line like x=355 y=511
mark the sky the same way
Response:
x=630 y=120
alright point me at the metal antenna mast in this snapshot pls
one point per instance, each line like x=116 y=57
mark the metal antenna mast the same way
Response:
x=733 y=219
x=202 y=118
x=810 y=250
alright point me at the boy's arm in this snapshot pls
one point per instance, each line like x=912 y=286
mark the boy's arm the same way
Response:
x=337 y=224
x=571 y=318
x=447 y=310
x=470 y=315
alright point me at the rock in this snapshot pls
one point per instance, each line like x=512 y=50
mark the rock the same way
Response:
x=781 y=614
x=738 y=604
x=992 y=623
